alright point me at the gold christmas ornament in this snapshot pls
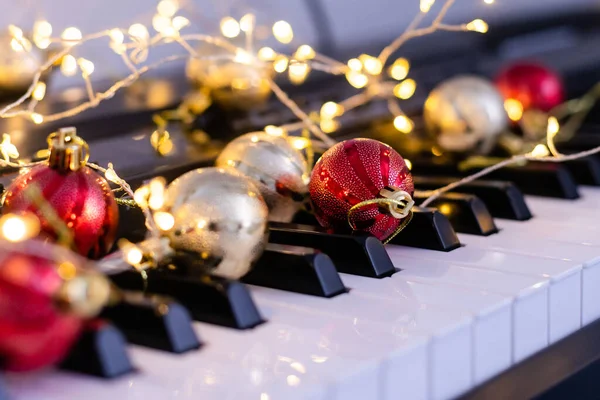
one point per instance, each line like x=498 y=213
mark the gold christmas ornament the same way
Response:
x=20 y=60
x=219 y=215
x=239 y=84
x=466 y=113
x=277 y=169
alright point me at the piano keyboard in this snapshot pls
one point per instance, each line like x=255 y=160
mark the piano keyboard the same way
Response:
x=443 y=324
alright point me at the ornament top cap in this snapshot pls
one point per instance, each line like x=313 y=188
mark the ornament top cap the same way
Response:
x=68 y=152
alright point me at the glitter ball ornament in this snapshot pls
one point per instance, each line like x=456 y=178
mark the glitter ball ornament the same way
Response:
x=19 y=62
x=234 y=84
x=356 y=171
x=533 y=85
x=277 y=169
x=219 y=215
x=466 y=114
x=43 y=304
x=76 y=194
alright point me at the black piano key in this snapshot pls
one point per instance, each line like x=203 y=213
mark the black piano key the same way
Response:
x=429 y=229
x=352 y=254
x=466 y=212
x=296 y=269
x=586 y=171
x=535 y=178
x=503 y=199
x=153 y=321
x=209 y=299
x=100 y=351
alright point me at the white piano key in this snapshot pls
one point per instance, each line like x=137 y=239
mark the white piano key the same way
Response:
x=492 y=329
x=382 y=322
x=530 y=316
x=565 y=276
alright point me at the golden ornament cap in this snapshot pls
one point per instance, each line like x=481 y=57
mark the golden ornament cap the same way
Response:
x=68 y=152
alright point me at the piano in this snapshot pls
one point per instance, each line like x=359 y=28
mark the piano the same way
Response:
x=494 y=293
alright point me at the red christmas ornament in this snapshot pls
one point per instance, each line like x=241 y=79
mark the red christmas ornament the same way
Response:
x=533 y=85
x=80 y=197
x=355 y=171
x=33 y=333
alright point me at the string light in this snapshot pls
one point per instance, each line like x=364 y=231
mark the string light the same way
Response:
x=478 y=25
x=300 y=143
x=399 y=69
x=157 y=194
x=357 y=79
x=405 y=89
x=488 y=1
x=553 y=127
x=230 y=28
x=39 y=92
x=514 y=109
x=37 y=118
x=403 y=124
x=331 y=110
x=275 y=130
x=87 y=67
x=370 y=64
x=304 y=53
x=134 y=255
x=283 y=32
x=68 y=66
x=266 y=54
x=71 y=35
x=138 y=31
x=298 y=72
x=355 y=65
x=7 y=149
x=280 y=64
x=540 y=150
x=17 y=228
x=247 y=22
x=329 y=125
x=425 y=5
x=167 y=8
x=164 y=220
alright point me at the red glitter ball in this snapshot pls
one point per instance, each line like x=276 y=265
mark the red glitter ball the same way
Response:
x=82 y=199
x=33 y=333
x=354 y=171
x=533 y=85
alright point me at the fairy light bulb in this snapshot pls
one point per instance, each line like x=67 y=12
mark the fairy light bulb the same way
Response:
x=134 y=255
x=167 y=8
x=553 y=127
x=425 y=5
x=266 y=54
x=356 y=79
x=138 y=31
x=247 y=22
x=283 y=32
x=478 y=25
x=540 y=150
x=15 y=31
x=331 y=110
x=514 y=109
x=40 y=91
x=160 y=23
x=17 y=228
x=405 y=89
x=275 y=130
x=157 y=194
x=141 y=196
x=488 y=1
x=116 y=36
x=243 y=57
x=180 y=22
x=399 y=69
x=408 y=163
x=304 y=53
x=87 y=67
x=371 y=64
x=71 y=35
x=164 y=220
x=298 y=72
x=403 y=124
x=300 y=143
x=280 y=64
x=42 y=28
x=355 y=65
x=230 y=28
x=37 y=118
x=329 y=125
